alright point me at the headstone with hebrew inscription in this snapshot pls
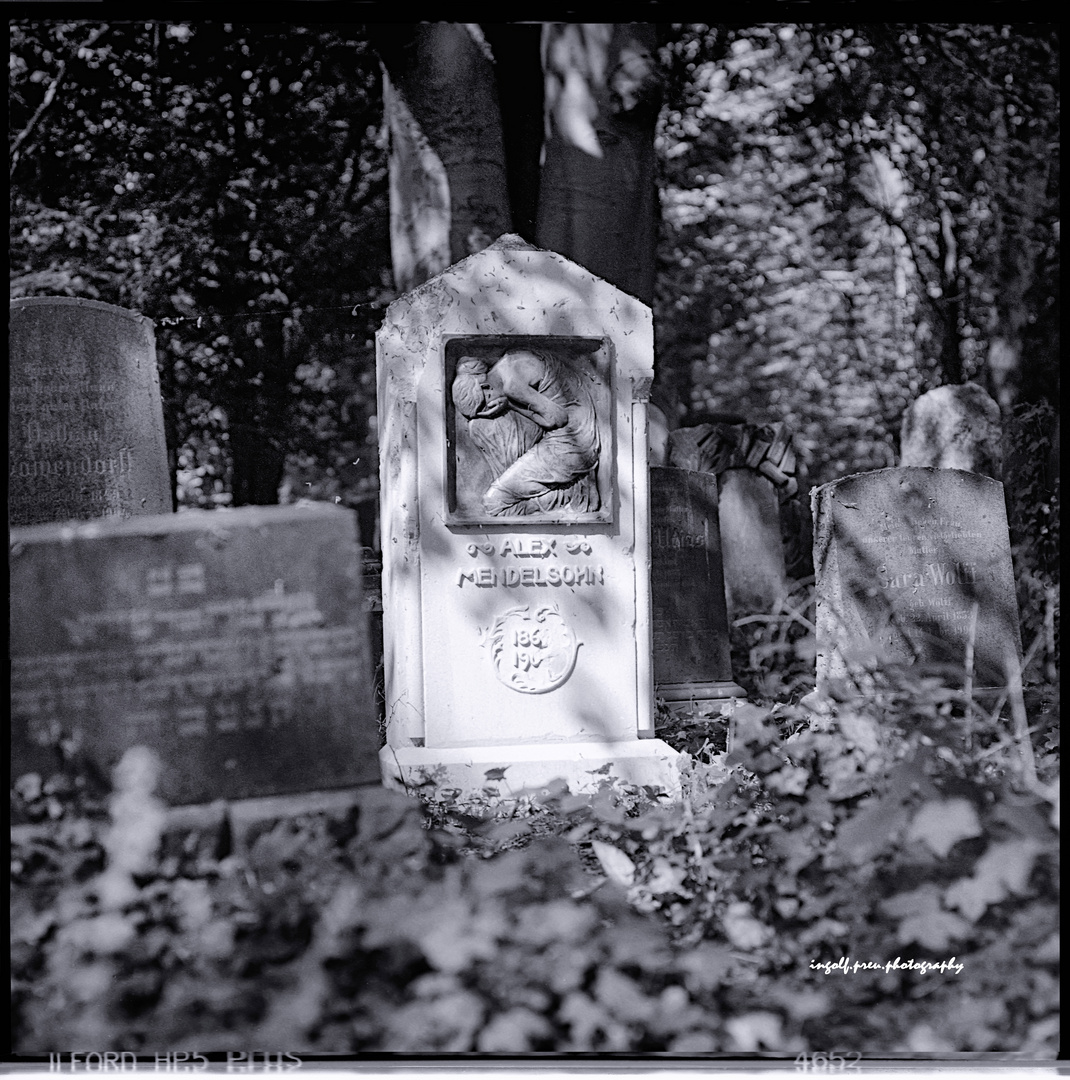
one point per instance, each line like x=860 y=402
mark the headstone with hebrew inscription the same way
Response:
x=231 y=642
x=692 y=657
x=913 y=565
x=85 y=431
x=516 y=590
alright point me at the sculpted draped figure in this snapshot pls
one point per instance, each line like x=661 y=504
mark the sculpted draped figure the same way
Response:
x=534 y=420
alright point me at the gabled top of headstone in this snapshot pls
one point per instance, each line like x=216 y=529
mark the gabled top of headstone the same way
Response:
x=509 y=288
x=511 y=240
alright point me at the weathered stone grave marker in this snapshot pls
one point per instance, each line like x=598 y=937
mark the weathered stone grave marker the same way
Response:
x=692 y=658
x=751 y=462
x=85 y=433
x=231 y=642
x=903 y=556
x=954 y=427
x=513 y=443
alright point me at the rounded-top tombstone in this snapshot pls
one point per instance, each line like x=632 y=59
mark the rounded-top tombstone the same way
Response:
x=86 y=435
x=954 y=427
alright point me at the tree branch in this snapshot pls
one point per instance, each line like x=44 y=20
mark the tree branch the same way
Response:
x=50 y=96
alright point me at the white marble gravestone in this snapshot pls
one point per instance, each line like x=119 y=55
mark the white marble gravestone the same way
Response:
x=516 y=556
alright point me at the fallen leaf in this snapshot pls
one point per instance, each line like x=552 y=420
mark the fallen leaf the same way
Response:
x=667 y=878
x=919 y=901
x=941 y=825
x=1002 y=870
x=752 y=1030
x=934 y=929
x=615 y=863
x=742 y=929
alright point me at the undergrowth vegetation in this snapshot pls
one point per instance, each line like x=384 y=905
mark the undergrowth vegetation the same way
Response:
x=795 y=899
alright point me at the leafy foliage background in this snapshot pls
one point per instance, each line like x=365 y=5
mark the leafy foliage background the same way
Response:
x=851 y=215
x=898 y=825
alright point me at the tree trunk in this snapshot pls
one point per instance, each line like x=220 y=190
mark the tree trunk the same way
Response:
x=257 y=414
x=460 y=177
x=257 y=461
x=448 y=189
x=518 y=66
x=598 y=195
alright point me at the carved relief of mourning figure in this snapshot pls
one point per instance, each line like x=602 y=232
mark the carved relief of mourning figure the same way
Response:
x=534 y=420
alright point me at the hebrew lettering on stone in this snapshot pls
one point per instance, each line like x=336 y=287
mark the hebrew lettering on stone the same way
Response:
x=533 y=418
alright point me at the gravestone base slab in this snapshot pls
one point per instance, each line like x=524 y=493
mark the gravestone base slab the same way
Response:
x=582 y=765
x=672 y=693
x=243 y=814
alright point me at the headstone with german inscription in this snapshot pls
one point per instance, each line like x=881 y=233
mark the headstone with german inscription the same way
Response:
x=913 y=564
x=514 y=503
x=85 y=432
x=692 y=658
x=231 y=642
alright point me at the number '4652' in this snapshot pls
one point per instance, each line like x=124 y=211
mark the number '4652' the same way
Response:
x=831 y=1062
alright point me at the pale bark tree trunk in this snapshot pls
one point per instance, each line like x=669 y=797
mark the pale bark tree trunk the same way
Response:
x=598 y=196
x=448 y=191
x=460 y=177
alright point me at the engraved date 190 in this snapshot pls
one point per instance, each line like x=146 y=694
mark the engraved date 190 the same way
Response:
x=831 y=1062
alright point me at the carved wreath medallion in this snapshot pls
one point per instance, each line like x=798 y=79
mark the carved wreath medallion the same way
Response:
x=533 y=651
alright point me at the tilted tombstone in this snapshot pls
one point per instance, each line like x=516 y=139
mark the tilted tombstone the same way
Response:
x=692 y=657
x=231 y=642
x=954 y=427
x=751 y=463
x=911 y=563
x=513 y=460
x=85 y=433
x=756 y=578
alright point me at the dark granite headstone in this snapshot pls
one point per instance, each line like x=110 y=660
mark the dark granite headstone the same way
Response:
x=902 y=556
x=85 y=433
x=692 y=661
x=233 y=643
